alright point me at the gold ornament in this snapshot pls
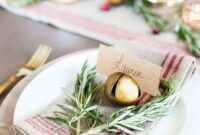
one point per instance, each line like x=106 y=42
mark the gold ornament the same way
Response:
x=116 y=2
x=122 y=89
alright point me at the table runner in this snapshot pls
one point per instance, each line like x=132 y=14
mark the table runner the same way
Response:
x=86 y=19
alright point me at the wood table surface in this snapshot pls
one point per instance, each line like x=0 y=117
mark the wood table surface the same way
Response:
x=20 y=37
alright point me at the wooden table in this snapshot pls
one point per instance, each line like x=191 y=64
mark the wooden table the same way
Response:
x=20 y=37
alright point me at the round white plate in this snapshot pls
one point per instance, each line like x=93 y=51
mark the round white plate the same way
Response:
x=45 y=88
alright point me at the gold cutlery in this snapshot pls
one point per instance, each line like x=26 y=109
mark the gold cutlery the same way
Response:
x=39 y=58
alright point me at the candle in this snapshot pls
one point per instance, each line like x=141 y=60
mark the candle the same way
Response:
x=191 y=13
x=169 y=3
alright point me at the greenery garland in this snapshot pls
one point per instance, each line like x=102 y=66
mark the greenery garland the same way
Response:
x=152 y=19
x=183 y=31
x=83 y=108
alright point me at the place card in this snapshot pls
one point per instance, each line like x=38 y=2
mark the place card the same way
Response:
x=145 y=73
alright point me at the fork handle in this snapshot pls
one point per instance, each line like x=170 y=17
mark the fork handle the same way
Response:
x=7 y=84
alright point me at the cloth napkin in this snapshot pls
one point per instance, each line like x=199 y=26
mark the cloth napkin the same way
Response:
x=182 y=66
x=66 y=1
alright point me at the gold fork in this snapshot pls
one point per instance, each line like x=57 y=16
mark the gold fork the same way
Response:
x=39 y=58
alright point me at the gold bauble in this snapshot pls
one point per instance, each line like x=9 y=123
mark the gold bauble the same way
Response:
x=122 y=89
x=116 y=2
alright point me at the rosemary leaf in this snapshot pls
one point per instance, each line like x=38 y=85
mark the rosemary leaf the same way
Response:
x=152 y=19
x=58 y=120
x=186 y=34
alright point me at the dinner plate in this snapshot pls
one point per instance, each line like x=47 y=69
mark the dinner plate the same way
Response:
x=45 y=88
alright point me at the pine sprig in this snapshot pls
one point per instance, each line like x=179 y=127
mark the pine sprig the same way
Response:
x=132 y=118
x=152 y=19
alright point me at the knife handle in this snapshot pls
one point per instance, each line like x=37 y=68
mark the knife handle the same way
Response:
x=7 y=84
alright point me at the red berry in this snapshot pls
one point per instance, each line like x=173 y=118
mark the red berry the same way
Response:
x=155 y=30
x=105 y=6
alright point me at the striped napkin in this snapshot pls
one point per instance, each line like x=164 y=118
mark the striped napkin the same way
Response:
x=182 y=66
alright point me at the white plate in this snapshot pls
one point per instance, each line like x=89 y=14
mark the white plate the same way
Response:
x=46 y=88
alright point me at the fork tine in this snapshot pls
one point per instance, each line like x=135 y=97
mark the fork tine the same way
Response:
x=39 y=57
x=32 y=59
x=44 y=56
x=47 y=55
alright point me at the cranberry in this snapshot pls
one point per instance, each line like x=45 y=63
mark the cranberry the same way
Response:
x=155 y=30
x=105 y=6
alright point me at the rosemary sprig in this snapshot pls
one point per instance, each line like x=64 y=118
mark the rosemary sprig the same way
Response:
x=132 y=118
x=152 y=19
x=82 y=107
x=84 y=110
x=185 y=33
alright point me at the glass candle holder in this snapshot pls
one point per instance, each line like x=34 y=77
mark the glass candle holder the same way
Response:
x=191 y=13
x=169 y=3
